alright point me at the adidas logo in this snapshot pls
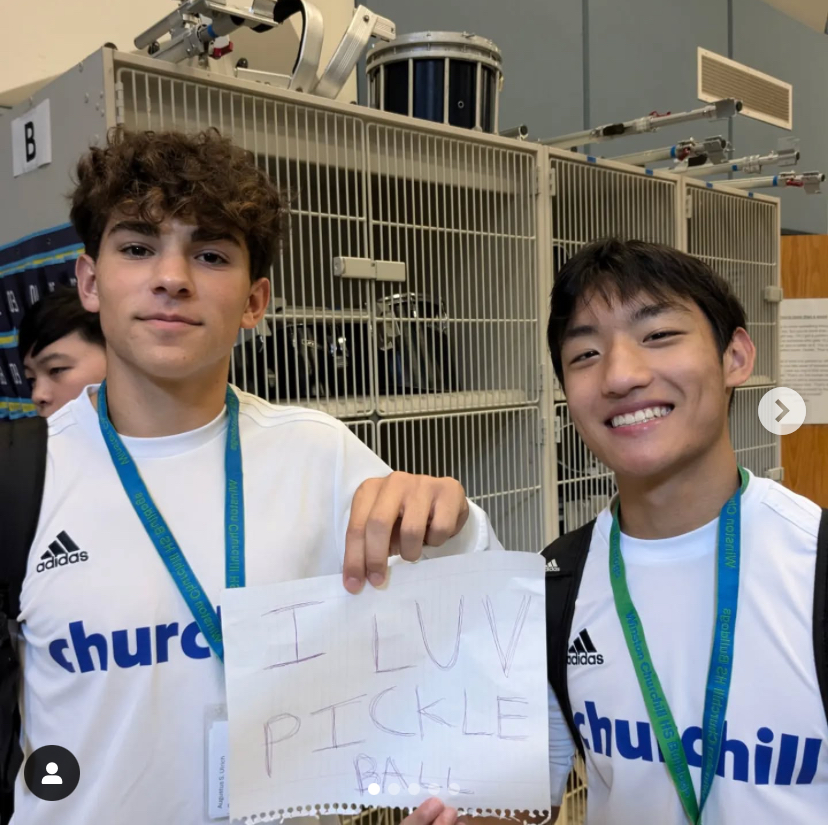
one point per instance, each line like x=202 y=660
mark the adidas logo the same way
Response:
x=62 y=551
x=583 y=652
x=552 y=567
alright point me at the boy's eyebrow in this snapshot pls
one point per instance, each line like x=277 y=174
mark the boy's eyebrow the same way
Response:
x=54 y=356
x=578 y=332
x=641 y=313
x=647 y=311
x=140 y=227
x=199 y=234
x=202 y=234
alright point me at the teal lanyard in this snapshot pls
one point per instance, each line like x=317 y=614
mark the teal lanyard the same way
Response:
x=721 y=657
x=160 y=534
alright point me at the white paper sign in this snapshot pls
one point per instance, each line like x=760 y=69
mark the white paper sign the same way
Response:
x=32 y=139
x=804 y=353
x=432 y=686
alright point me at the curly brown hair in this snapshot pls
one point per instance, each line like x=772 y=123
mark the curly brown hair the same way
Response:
x=203 y=178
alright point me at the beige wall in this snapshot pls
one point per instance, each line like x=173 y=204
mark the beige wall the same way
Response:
x=45 y=40
x=812 y=13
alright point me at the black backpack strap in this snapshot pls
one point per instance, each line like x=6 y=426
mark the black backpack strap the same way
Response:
x=565 y=559
x=23 y=459
x=821 y=610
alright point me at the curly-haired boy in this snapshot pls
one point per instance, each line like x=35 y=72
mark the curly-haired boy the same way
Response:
x=163 y=468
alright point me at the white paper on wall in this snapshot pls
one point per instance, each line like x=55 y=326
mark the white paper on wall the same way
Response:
x=803 y=350
x=434 y=685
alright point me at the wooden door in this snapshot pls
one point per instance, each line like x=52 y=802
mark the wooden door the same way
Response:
x=805 y=452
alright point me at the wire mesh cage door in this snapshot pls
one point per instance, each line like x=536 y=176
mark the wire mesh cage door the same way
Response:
x=495 y=455
x=573 y=809
x=756 y=448
x=462 y=331
x=738 y=236
x=313 y=347
x=591 y=200
x=585 y=484
x=365 y=431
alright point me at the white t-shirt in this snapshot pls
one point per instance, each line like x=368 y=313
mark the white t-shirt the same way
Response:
x=776 y=737
x=114 y=667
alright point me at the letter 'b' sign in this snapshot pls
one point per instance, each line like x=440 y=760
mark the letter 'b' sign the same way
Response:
x=434 y=685
x=32 y=139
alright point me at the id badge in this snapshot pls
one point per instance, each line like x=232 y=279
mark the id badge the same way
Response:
x=217 y=750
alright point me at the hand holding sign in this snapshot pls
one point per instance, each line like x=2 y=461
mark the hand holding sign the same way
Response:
x=433 y=686
x=398 y=514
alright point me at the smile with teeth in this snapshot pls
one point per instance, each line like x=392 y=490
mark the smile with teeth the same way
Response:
x=639 y=416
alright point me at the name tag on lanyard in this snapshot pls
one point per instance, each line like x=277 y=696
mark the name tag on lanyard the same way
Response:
x=217 y=750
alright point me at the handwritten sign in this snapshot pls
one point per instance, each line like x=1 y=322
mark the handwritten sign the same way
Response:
x=432 y=686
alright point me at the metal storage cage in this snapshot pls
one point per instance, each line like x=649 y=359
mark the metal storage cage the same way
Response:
x=585 y=485
x=756 y=448
x=476 y=225
x=592 y=198
x=365 y=431
x=735 y=232
x=589 y=199
x=464 y=331
x=311 y=348
x=504 y=478
x=738 y=234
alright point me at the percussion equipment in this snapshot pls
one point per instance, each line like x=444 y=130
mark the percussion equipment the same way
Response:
x=414 y=348
x=295 y=360
x=301 y=358
x=447 y=77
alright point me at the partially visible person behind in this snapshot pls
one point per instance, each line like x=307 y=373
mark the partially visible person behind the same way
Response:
x=63 y=349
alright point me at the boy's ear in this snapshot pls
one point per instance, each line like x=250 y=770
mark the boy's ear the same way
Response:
x=86 y=273
x=257 y=302
x=739 y=358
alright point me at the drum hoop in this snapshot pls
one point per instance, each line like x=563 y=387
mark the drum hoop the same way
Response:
x=433 y=54
x=440 y=45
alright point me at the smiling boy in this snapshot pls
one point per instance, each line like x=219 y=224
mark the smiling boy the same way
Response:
x=705 y=695
x=164 y=485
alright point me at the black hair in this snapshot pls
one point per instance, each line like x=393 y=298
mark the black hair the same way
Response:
x=622 y=270
x=56 y=315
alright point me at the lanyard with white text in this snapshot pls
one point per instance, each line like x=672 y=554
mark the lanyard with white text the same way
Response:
x=161 y=535
x=721 y=657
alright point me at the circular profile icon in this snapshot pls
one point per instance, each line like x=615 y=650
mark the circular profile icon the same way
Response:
x=52 y=773
x=782 y=411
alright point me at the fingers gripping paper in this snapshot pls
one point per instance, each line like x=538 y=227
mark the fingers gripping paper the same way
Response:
x=434 y=685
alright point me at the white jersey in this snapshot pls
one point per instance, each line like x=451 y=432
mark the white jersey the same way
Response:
x=114 y=666
x=774 y=765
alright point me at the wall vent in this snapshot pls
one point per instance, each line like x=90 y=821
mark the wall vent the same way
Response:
x=764 y=97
